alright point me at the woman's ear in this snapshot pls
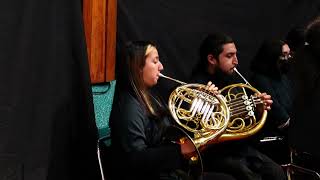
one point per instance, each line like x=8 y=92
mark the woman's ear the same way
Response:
x=211 y=59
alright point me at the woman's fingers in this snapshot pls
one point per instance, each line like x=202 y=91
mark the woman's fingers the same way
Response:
x=211 y=87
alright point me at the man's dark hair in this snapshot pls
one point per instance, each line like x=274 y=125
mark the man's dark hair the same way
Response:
x=212 y=44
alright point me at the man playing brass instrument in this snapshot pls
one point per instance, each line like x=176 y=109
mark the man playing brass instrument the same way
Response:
x=218 y=61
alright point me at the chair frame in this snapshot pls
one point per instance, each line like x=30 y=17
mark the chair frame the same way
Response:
x=291 y=167
x=101 y=140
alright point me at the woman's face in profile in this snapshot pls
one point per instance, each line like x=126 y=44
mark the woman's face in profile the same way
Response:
x=152 y=67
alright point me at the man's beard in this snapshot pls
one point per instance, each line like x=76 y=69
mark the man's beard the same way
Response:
x=223 y=78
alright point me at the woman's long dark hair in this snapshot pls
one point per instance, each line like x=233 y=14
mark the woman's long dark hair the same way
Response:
x=130 y=78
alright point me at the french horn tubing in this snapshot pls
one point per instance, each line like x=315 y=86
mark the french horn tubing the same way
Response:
x=203 y=114
x=243 y=103
x=214 y=118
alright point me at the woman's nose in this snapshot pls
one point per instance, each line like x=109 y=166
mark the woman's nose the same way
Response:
x=160 y=67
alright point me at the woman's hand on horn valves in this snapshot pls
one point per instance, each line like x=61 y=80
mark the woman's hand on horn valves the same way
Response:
x=211 y=87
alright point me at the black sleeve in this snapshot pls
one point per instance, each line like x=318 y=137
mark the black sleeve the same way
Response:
x=133 y=140
x=278 y=114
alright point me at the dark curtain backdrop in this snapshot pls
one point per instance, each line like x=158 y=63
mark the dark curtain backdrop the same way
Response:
x=178 y=26
x=47 y=126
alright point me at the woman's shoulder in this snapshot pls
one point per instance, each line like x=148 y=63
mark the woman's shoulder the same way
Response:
x=126 y=110
x=126 y=103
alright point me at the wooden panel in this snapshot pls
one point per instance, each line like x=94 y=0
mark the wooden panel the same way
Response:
x=100 y=30
x=111 y=39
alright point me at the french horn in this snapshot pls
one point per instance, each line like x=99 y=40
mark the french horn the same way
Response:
x=207 y=118
x=213 y=118
x=200 y=112
x=201 y=116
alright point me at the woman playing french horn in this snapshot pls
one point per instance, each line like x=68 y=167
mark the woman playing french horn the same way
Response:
x=139 y=119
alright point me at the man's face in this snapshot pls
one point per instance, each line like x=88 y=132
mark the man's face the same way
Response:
x=228 y=58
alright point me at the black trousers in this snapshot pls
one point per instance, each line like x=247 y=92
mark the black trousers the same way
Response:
x=242 y=162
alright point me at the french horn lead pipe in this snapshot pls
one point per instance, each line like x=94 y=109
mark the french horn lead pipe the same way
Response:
x=161 y=75
x=183 y=83
x=235 y=69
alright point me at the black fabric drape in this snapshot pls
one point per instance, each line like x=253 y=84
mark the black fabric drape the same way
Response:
x=47 y=125
x=179 y=26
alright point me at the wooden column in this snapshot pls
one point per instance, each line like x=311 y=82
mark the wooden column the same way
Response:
x=100 y=17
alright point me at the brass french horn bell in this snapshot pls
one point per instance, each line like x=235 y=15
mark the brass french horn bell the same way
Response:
x=203 y=114
x=201 y=117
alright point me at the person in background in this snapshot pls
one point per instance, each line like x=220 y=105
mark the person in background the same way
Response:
x=304 y=126
x=139 y=120
x=269 y=74
x=270 y=68
x=295 y=39
x=218 y=59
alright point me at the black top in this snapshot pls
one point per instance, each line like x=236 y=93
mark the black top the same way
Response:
x=137 y=141
x=237 y=157
x=280 y=90
x=304 y=126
